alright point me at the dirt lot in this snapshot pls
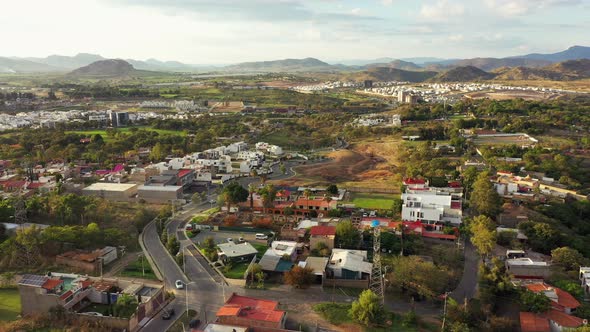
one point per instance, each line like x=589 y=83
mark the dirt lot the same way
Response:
x=505 y=95
x=303 y=313
x=367 y=164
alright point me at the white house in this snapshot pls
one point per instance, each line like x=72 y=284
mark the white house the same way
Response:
x=431 y=207
x=349 y=264
x=585 y=279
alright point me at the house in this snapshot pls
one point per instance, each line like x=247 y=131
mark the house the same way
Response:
x=585 y=279
x=325 y=234
x=280 y=256
x=315 y=204
x=560 y=299
x=317 y=265
x=349 y=264
x=251 y=312
x=414 y=183
x=159 y=194
x=236 y=252
x=531 y=322
x=432 y=205
x=75 y=293
x=560 y=321
x=214 y=327
x=88 y=261
x=526 y=268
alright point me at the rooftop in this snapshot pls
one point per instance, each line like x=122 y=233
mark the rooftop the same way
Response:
x=231 y=249
x=530 y=322
x=159 y=188
x=251 y=308
x=99 y=186
x=352 y=260
x=563 y=319
x=323 y=230
x=561 y=297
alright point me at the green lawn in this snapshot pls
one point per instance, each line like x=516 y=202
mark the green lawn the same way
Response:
x=237 y=271
x=262 y=248
x=104 y=135
x=9 y=304
x=134 y=270
x=373 y=201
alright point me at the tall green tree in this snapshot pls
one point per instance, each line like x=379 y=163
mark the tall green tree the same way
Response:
x=483 y=234
x=368 y=310
x=234 y=193
x=484 y=199
x=347 y=236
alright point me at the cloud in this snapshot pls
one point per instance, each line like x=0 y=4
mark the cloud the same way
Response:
x=441 y=10
x=510 y=8
x=387 y=2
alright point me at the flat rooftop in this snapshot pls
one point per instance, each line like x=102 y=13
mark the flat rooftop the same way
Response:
x=160 y=188
x=106 y=186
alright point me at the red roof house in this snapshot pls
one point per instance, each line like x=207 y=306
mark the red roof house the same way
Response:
x=562 y=319
x=325 y=234
x=530 y=322
x=560 y=299
x=251 y=312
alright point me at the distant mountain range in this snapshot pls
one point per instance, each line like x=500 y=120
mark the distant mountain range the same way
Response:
x=112 y=68
x=530 y=65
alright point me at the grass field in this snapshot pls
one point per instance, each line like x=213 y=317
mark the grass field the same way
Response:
x=104 y=135
x=134 y=270
x=236 y=272
x=9 y=304
x=373 y=201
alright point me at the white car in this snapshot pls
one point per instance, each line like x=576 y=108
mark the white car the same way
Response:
x=261 y=236
x=92 y=313
x=229 y=239
x=179 y=284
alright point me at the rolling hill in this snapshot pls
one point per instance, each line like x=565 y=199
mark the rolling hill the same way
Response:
x=286 y=65
x=398 y=64
x=394 y=74
x=110 y=68
x=463 y=74
x=12 y=65
x=563 y=71
x=572 y=53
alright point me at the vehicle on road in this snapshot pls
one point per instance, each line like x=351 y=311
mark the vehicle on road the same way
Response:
x=179 y=284
x=188 y=227
x=193 y=324
x=260 y=236
x=92 y=313
x=167 y=313
x=229 y=239
x=241 y=240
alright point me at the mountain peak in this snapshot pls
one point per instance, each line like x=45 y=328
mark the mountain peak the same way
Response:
x=105 y=68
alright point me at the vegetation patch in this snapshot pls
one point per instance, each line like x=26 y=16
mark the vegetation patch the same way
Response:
x=139 y=268
x=373 y=201
x=9 y=304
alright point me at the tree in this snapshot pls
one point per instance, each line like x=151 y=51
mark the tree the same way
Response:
x=367 y=310
x=126 y=306
x=172 y=245
x=571 y=287
x=483 y=235
x=396 y=206
x=332 y=189
x=534 y=302
x=234 y=193
x=420 y=277
x=158 y=152
x=347 y=236
x=268 y=193
x=568 y=258
x=299 y=277
x=283 y=168
x=196 y=198
x=251 y=191
x=484 y=199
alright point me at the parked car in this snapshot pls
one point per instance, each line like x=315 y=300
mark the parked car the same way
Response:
x=193 y=324
x=167 y=313
x=92 y=313
x=188 y=227
x=260 y=236
x=241 y=240
x=179 y=284
x=229 y=239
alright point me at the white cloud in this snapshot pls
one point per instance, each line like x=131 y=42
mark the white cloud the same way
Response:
x=355 y=11
x=456 y=38
x=441 y=10
x=387 y=2
x=510 y=8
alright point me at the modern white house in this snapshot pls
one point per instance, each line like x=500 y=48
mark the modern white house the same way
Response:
x=431 y=207
x=349 y=264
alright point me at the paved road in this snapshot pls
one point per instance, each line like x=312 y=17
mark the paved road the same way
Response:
x=467 y=288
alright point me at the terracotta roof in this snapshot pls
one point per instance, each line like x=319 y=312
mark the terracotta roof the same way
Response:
x=314 y=203
x=564 y=299
x=323 y=230
x=184 y=172
x=414 y=181
x=35 y=185
x=283 y=193
x=530 y=322
x=563 y=319
x=251 y=308
x=454 y=184
x=52 y=283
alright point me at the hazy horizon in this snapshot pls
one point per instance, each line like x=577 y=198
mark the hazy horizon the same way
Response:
x=226 y=31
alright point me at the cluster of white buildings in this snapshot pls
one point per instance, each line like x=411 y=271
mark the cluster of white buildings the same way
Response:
x=372 y=120
x=180 y=105
x=325 y=86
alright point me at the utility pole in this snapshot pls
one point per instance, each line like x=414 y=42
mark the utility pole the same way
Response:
x=445 y=311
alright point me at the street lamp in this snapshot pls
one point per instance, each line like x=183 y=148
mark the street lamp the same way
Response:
x=186 y=295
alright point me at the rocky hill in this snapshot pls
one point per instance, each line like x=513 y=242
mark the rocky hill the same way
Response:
x=563 y=71
x=394 y=74
x=463 y=74
x=111 y=68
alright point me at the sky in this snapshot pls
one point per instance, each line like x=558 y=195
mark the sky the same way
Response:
x=232 y=31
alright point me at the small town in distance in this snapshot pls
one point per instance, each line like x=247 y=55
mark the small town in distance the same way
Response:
x=417 y=178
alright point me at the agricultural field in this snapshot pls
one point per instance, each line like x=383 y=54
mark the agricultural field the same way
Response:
x=503 y=140
x=9 y=304
x=373 y=201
